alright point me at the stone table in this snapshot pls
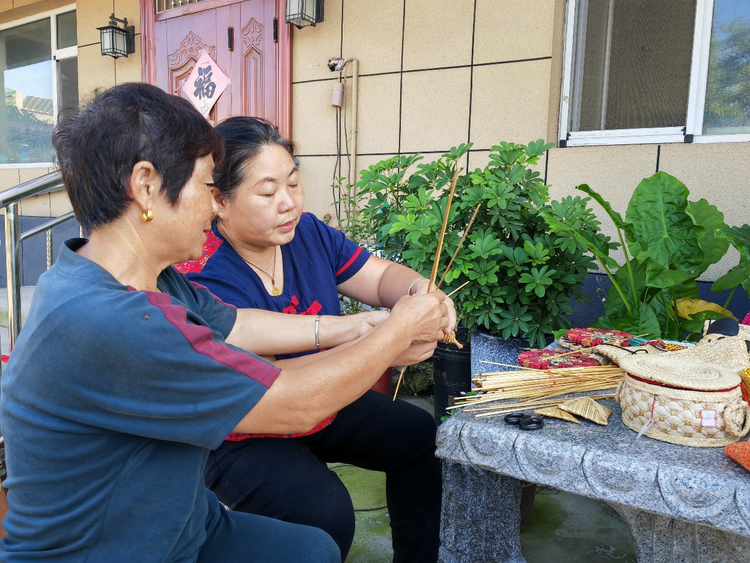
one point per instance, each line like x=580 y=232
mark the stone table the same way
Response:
x=682 y=503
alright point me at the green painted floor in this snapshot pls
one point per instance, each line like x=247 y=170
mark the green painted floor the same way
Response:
x=372 y=535
x=563 y=527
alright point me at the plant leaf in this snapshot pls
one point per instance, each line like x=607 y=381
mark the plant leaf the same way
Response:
x=662 y=233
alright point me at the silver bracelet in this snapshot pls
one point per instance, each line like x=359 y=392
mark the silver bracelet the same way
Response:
x=317 y=335
x=408 y=291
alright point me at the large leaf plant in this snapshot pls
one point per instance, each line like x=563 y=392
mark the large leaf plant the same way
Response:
x=667 y=243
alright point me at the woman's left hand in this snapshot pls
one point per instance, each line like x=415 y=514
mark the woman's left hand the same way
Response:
x=415 y=353
x=369 y=320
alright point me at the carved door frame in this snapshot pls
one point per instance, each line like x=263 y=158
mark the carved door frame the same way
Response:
x=283 y=52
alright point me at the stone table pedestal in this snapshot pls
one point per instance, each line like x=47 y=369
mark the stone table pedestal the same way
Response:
x=682 y=503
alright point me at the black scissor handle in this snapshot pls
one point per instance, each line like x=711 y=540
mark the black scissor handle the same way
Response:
x=531 y=423
x=515 y=418
x=524 y=421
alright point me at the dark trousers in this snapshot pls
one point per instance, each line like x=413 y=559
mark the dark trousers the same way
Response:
x=287 y=478
x=234 y=537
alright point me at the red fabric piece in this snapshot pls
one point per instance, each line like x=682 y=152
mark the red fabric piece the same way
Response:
x=238 y=437
x=544 y=359
x=211 y=245
x=595 y=336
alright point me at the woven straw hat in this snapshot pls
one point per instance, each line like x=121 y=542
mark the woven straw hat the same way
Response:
x=675 y=369
x=728 y=351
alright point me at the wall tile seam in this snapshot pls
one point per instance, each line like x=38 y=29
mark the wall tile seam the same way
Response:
x=401 y=76
x=333 y=155
x=471 y=80
x=430 y=69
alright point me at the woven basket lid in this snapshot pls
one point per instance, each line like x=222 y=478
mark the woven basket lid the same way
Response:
x=685 y=373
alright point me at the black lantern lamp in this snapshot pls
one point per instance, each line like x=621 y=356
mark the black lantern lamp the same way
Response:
x=304 y=12
x=117 y=41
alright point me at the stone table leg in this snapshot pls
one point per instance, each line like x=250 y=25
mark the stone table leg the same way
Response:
x=481 y=519
x=660 y=538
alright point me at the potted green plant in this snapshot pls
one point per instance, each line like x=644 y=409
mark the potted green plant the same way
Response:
x=668 y=242
x=521 y=276
x=511 y=278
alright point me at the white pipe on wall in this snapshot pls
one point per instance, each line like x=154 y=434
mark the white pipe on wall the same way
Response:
x=353 y=148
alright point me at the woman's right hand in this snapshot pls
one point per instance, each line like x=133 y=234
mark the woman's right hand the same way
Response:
x=422 y=316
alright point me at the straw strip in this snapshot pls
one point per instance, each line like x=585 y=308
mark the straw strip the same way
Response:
x=436 y=261
x=398 y=384
x=505 y=409
x=460 y=243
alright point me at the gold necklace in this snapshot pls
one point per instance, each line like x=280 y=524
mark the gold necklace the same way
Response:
x=275 y=291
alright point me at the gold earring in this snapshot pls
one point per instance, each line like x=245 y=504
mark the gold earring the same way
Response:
x=221 y=213
x=147 y=215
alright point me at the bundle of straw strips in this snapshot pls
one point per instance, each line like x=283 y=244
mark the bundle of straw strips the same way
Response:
x=537 y=387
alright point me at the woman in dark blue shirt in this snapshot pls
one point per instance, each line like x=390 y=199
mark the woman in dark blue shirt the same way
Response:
x=265 y=252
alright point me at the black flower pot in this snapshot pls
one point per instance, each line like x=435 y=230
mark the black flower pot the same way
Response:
x=451 y=373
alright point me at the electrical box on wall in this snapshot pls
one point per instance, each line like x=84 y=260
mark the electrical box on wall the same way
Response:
x=338 y=95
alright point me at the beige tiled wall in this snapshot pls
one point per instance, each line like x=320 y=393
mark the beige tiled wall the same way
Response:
x=436 y=73
x=16 y=9
x=437 y=34
x=435 y=109
x=432 y=74
x=510 y=103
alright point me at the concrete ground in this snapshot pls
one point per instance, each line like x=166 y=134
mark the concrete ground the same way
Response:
x=563 y=528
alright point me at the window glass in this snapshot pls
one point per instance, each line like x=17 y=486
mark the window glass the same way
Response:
x=727 y=107
x=27 y=118
x=66 y=30
x=67 y=75
x=633 y=64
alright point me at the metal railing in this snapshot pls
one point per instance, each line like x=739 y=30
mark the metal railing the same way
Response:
x=10 y=200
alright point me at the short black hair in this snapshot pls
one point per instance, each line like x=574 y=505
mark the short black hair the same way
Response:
x=244 y=137
x=98 y=144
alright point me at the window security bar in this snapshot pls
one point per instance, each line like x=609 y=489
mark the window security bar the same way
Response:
x=164 y=5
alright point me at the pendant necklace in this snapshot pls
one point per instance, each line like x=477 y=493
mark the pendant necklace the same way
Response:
x=275 y=291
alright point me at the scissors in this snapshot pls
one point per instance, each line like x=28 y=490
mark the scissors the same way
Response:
x=524 y=421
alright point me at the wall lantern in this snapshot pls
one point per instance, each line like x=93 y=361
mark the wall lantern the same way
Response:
x=304 y=12
x=117 y=41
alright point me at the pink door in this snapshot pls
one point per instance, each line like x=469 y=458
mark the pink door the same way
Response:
x=239 y=37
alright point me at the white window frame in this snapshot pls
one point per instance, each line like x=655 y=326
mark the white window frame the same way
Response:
x=692 y=131
x=57 y=55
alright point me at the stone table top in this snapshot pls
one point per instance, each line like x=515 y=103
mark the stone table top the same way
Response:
x=700 y=485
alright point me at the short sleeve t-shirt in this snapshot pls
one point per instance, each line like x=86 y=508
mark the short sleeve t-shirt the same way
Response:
x=110 y=402
x=316 y=261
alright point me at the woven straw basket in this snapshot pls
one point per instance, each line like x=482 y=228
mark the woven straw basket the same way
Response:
x=691 y=403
